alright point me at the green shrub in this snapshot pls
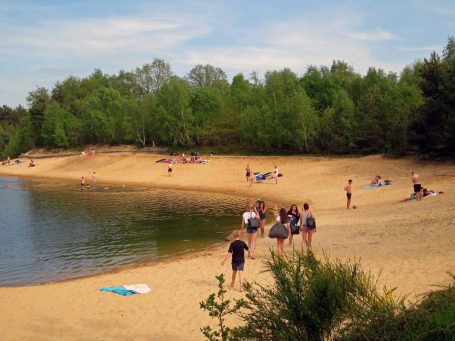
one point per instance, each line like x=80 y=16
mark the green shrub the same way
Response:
x=219 y=310
x=311 y=299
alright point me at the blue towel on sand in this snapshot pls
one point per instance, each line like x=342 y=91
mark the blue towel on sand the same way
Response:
x=121 y=290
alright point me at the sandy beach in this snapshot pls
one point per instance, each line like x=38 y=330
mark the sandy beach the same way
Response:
x=410 y=244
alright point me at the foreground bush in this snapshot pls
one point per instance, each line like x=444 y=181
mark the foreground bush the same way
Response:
x=322 y=299
x=433 y=318
x=312 y=299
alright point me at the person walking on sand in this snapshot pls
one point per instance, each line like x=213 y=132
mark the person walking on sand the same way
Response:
x=169 y=169
x=248 y=173
x=251 y=220
x=283 y=219
x=348 y=189
x=416 y=185
x=237 y=250
x=262 y=217
x=93 y=179
x=275 y=174
x=294 y=217
x=307 y=232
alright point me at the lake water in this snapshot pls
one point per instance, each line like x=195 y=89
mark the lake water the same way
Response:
x=52 y=230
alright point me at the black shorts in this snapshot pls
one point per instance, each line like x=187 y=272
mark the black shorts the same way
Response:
x=238 y=266
x=349 y=195
x=251 y=229
x=169 y=170
x=248 y=174
x=417 y=188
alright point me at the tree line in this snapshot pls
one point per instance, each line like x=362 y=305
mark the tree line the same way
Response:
x=326 y=110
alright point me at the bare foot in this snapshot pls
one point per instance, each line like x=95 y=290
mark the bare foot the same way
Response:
x=231 y=286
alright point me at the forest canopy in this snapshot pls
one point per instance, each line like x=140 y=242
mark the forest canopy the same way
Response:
x=329 y=109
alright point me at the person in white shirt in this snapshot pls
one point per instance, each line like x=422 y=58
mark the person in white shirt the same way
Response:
x=275 y=174
x=250 y=219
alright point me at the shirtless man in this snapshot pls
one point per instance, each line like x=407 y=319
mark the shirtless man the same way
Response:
x=93 y=179
x=417 y=186
x=348 y=189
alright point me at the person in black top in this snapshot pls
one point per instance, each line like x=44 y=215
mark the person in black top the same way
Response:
x=294 y=217
x=237 y=249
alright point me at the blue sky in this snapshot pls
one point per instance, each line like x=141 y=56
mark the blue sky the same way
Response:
x=45 y=41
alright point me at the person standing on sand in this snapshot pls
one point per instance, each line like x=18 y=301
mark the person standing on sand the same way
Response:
x=416 y=185
x=82 y=183
x=283 y=219
x=348 y=189
x=307 y=233
x=262 y=217
x=275 y=174
x=249 y=219
x=237 y=250
x=93 y=179
x=248 y=173
x=169 y=169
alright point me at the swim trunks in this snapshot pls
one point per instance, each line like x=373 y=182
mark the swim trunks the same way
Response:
x=238 y=266
x=248 y=174
x=417 y=188
x=349 y=195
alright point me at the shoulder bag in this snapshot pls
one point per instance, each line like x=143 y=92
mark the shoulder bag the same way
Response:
x=278 y=230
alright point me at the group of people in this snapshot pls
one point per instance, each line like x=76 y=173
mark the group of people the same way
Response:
x=250 y=176
x=253 y=221
x=8 y=162
x=293 y=221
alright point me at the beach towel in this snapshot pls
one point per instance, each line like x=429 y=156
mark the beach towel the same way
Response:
x=127 y=290
x=381 y=184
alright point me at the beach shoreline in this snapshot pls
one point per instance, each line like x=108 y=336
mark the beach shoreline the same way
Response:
x=409 y=244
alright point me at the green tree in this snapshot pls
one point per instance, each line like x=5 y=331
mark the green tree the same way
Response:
x=152 y=77
x=37 y=100
x=207 y=75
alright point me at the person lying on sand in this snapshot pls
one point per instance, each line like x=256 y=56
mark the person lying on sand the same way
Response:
x=375 y=181
x=425 y=193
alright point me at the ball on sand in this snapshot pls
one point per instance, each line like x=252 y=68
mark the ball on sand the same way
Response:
x=354 y=206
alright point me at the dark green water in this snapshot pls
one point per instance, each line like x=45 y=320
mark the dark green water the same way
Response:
x=52 y=231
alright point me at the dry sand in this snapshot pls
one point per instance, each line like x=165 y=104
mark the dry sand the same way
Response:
x=411 y=244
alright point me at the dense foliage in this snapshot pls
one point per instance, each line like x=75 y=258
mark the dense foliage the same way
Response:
x=323 y=299
x=312 y=299
x=325 y=110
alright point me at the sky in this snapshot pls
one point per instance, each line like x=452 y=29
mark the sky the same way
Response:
x=42 y=42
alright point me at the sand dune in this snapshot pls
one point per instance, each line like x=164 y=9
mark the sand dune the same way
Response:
x=411 y=243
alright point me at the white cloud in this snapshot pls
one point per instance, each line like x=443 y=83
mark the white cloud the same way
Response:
x=420 y=49
x=435 y=8
x=295 y=45
x=102 y=36
x=376 y=35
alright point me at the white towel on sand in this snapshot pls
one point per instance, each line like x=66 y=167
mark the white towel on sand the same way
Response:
x=139 y=288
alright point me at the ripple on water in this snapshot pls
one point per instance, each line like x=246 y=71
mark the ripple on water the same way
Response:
x=52 y=230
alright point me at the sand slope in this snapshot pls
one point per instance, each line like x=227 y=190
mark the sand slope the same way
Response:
x=411 y=243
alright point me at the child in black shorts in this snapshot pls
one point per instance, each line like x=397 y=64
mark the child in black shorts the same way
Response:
x=237 y=249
